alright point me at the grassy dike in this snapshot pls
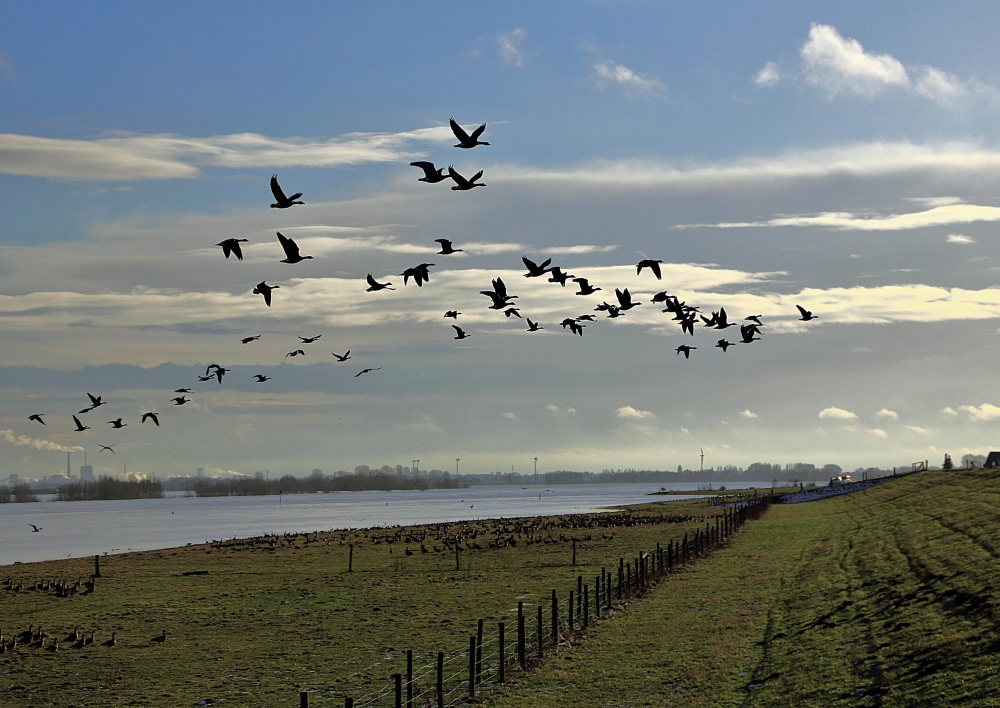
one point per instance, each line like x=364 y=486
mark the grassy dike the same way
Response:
x=886 y=597
x=266 y=622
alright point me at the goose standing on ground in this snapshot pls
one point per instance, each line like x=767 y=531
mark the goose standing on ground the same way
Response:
x=685 y=349
x=247 y=340
x=117 y=423
x=585 y=287
x=262 y=288
x=432 y=174
x=80 y=427
x=281 y=201
x=461 y=183
x=155 y=417
x=375 y=286
x=460 y=333
x=161 y=638
x=446 y=247
x=806 y=314
x=232 y=246
x=37 y=417
x=343 y=357
x=651 y=264
x=465 y=140
x=291 y=250
x=367 y=371
x=109 y=448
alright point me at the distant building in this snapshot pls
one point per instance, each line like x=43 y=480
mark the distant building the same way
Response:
x=992 y=460
x=201 y=472
x=86 y=473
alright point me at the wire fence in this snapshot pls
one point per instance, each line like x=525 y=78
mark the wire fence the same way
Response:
x=496 y=651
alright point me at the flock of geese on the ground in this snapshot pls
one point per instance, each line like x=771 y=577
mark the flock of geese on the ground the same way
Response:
x=687 y=316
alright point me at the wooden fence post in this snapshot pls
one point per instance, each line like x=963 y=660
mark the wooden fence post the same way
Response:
x=621 y=576
x=348 y=702
x=503 y=652
x=555 y=621
x=628 y=579
x=440 y=679
x=456 y=554
x=574 y=552
x=303 y=699
x=409 y=678
x=472 y=666
x=570 y=612
x=586 y=606
x=579 y=595
x=97 y=566
x=520 y=634
x=397 y=680
x=350 y=558
x=598 y=593
x=541 y=638
x=479 y=652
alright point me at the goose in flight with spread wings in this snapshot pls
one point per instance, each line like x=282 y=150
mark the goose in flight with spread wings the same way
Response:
x=117 y=423
x=367 y=371
x=80 y=427
x=261 y=378
x=95 y=402
x=432 y=174
x=585 y=287
x=651 y=264
x=558 y=276
x=419 y=273
x=297 y=352
x=232 y=246
x=533 y=326
x=498 y=295
x=460 y=333
x=375 y=286
x=291 y=250
x=535 y=269
x=109 y=448
x=310 y=340
x=685 y=350
x=625 y=300
x=247 y=340
x=453 y=314
x=155 y=417
x=465 y=140
x=281 y=201
x=747 y=332
x=262 y=288
x=342 y=357
x=461 y=183
x=806 y=314
x=180 y=400
x=446 y=247
x=723 y=344
x=37 y=417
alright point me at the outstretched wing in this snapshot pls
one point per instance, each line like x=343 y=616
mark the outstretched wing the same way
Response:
x=427 y=167
x=290 y=247
x=279 y=196
x=459 y=131
x=476 y=176
x=478 y=131
x=459 y=179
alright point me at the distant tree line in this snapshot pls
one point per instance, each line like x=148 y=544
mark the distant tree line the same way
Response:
x=19 y=494
x=107 y=488
x=259 y=486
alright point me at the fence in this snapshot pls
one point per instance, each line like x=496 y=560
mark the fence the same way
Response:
x=496 y=652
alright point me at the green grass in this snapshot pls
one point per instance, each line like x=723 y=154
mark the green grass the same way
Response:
x=886 y=597
x=264 y=624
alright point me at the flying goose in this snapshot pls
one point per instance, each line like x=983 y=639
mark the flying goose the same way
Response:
x=534 y=269
x=375 y=286
x=155 y=417
x=461 y=183
x=446 y=247
x=806 y=314
x=291 y=250
x=366 y=371
x=558 y=276
x=625 y=300
x=651 y=264
x=109 y=448
x=180 y=400
x=452 y=314
x=343 y=357
x=262 y=288
x=117 y=423
x=80 y=427
x=247 y=340
x=37 y=417
x=310 y=340
x=432 y=174
x=231 y=246
x=460 y=333
x=533 y=326
x=465 y=140
x=585 y=287
x=686 y=350
x=281 y=201
x=261 y=378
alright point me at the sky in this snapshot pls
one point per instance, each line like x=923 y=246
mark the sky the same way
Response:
x=839 y=156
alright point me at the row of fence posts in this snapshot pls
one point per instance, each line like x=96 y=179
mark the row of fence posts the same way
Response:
x=634 y=578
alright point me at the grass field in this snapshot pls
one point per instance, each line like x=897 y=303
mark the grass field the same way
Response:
x=268 y=621
x=886 y=597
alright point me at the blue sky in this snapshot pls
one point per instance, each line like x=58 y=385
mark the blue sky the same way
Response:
x=838 y=155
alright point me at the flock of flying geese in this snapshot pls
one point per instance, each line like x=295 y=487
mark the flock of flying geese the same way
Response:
x=686 y=315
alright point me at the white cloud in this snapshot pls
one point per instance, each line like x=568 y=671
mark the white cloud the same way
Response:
x=959 y=238
x=137 y=157
x=886 y=413
x=748 y=414
x=878 y=432
x=916 y=429
x=837 y=413
x=986 y=411
x=620 y=75
x=510 y=416
x=839 y=64
x=551 y=407
x=37 y=443
x=634 y=413
x=685 y=431
x=768 y=76
x=846 y=221
x=571 y=411
x=510 y=46
x=948 y=410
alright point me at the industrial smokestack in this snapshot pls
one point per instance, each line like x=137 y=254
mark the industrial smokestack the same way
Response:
x=67 y=464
